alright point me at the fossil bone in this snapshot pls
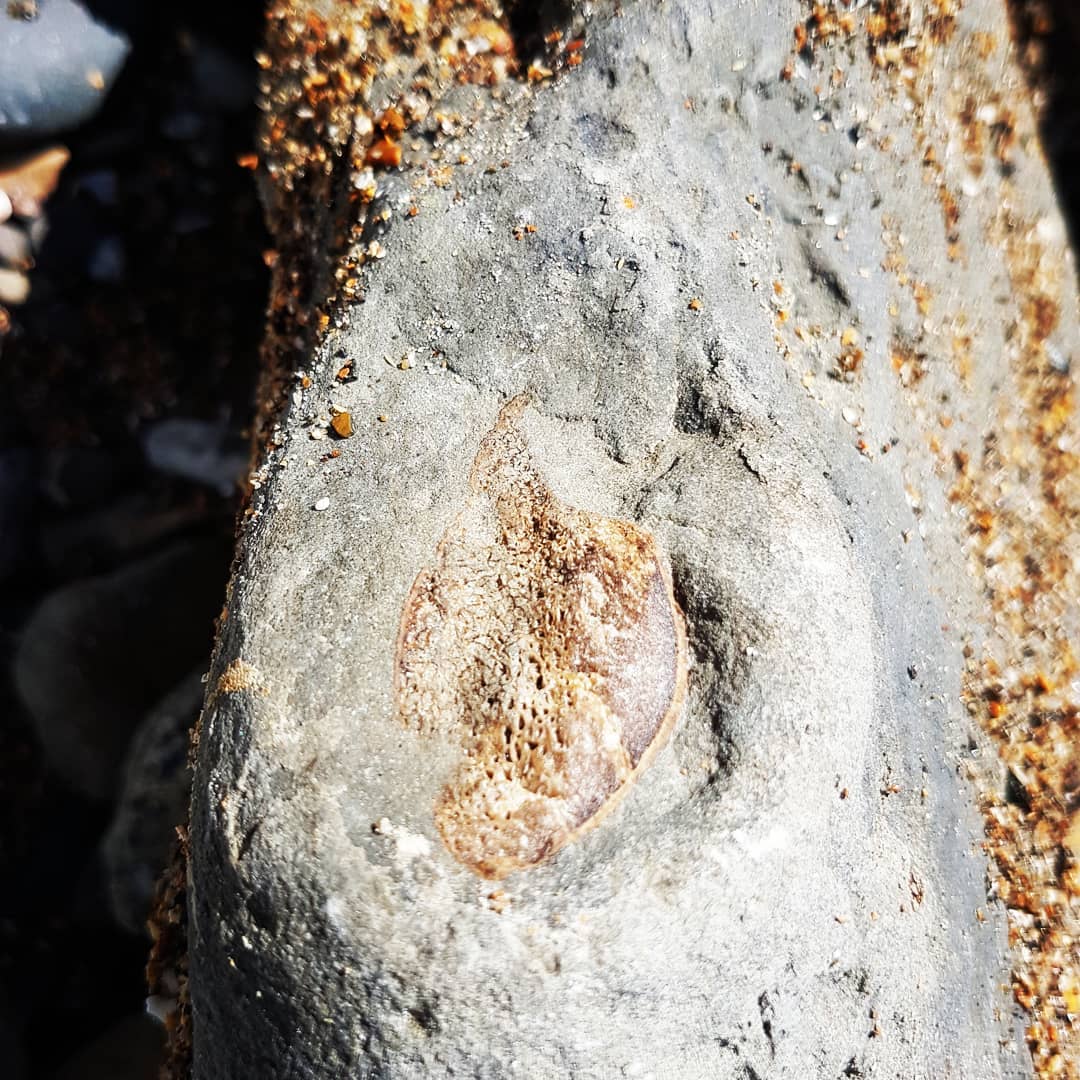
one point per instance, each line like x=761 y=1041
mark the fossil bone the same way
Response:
x=547 y=640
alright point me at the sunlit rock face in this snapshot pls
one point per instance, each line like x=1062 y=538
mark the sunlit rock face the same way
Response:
x=617 y=730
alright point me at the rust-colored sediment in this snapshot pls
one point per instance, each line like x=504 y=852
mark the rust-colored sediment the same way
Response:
x=1022 y=499
x=325 y=142
x=167 y=967
x=546 y=641
x=238 y=677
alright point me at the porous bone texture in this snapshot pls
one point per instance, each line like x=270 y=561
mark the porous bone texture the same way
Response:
x=547 y=640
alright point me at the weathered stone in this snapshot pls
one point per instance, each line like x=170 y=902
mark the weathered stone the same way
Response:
x=795 y=885
x=58 y=65
x=98 y=653
x=153 y=799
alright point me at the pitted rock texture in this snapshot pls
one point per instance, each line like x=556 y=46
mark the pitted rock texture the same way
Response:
x=548 y=641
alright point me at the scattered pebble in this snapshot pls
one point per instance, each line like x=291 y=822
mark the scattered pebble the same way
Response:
x=14 y=287
x=342 y=424
x=31 y=180
x=322 y=504
x=108 y=261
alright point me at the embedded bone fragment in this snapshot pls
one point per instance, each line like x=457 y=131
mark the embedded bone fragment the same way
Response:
x=547 y=640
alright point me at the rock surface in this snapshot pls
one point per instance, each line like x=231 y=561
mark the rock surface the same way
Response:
x=690 y=262
x=59 y=62
x=97 y=654
x=153 y=798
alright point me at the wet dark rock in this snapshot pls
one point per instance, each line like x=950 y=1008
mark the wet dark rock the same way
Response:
x=78 y=544
x=12 y=1056
x=222 y=82
x=128 y=1050
x=153 y=801
x=78 y=477
x=208 y=453
x=108 y=262
x=97 y=654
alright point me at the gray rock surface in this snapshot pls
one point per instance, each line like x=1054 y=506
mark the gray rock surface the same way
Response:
x=58 y=66
x=795 y=887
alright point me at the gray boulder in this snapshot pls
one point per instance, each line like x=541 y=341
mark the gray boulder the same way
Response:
x=794 y=886
x=59 y=63
x=98 y=653
x=153 y=798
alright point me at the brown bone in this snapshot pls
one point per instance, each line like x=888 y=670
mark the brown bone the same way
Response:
x=548 y=641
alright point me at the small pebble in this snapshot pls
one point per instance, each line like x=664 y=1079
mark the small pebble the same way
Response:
x=323 y=504
x=14 y=287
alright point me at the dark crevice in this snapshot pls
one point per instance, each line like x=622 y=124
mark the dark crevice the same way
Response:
x=1046 y=34
x=532 y=22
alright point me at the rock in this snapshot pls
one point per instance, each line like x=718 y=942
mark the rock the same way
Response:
x=795 y=885
x=153 y=801
x=222 y=81
x=15 y=248
x=108 y=263
x=97 y=654
x=208 y=453
x=79 y=477
x=14 y=287
x=58 y=67
x=29 y=180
